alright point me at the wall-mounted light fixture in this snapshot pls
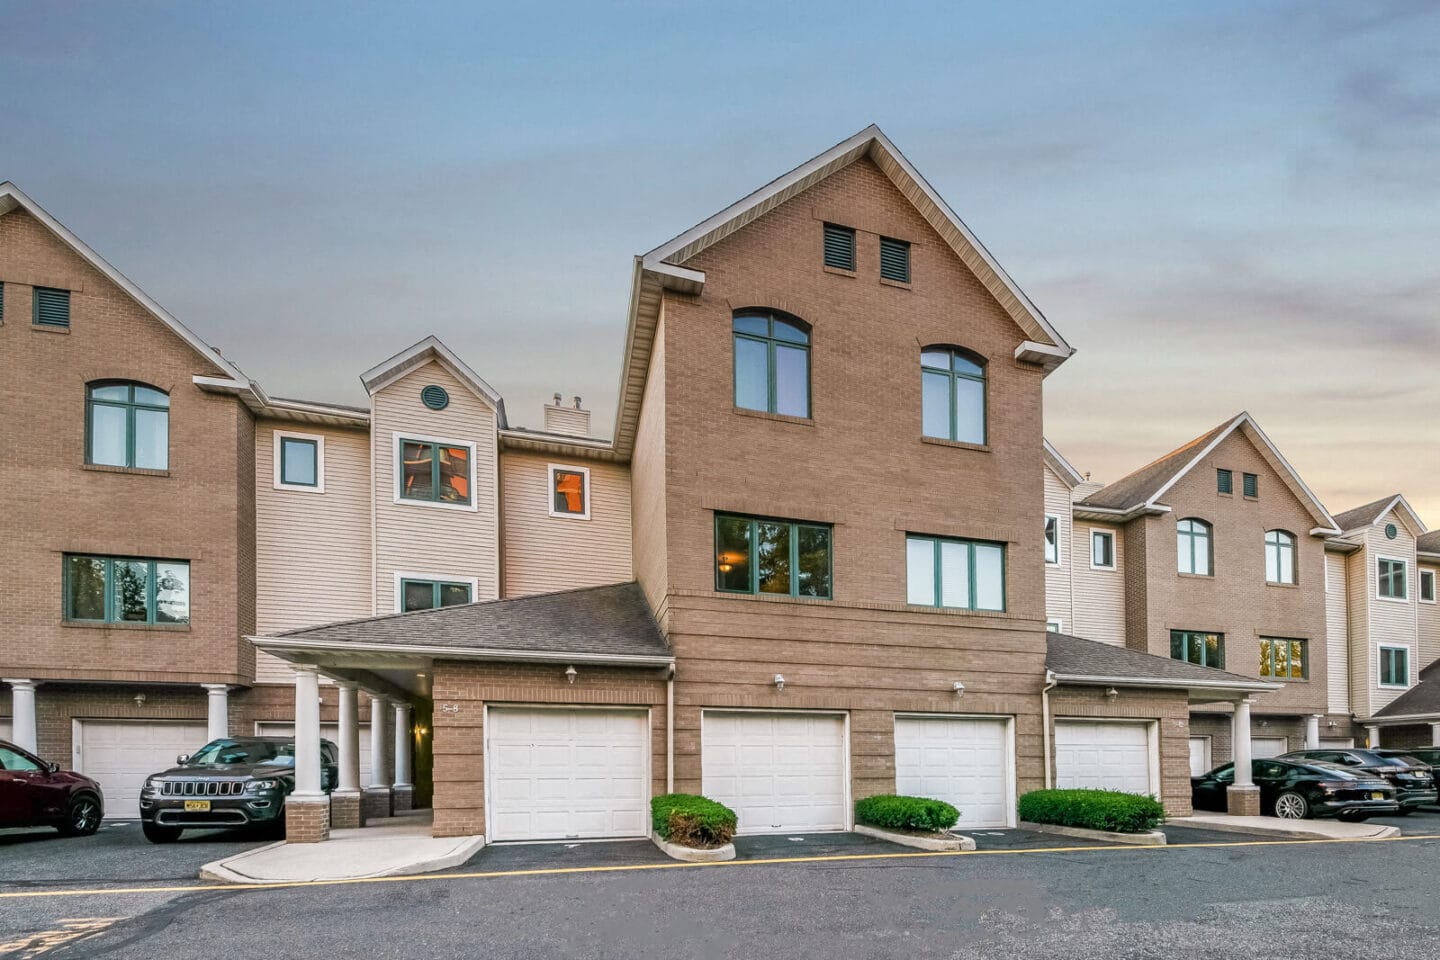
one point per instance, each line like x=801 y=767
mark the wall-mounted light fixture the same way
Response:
x=1111 y=693
x=959 y=689
x=139 y=699
x=779 y=681
x=570 y=674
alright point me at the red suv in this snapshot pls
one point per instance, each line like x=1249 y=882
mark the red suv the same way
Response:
x=34 y=793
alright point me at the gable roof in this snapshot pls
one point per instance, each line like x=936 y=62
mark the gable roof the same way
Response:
x=1364 y=516
x=12 y=197
x=1077 y=660
x=663 y=267
x=1428 y=542
x=1063 y=468
x=417 y=355
x=1421 y=700
x=1143 y=489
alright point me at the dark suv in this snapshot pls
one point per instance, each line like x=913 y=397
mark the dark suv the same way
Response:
x=231 y=782
x=1414 y=785
x=34 y=793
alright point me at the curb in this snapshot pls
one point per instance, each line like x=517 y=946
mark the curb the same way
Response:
x=1153 y=838
x=936 y=844
x=691 y=855
x=1284 y=833
x=224 y=870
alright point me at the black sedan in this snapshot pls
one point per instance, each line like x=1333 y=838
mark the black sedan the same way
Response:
x=1414 y=784
x=1296 y=790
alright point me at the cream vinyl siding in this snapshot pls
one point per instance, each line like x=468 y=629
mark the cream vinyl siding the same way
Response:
x=1427 y=616
x=1391 y=623
x=1099 y=595
x=1337 y=633
x=312 y=550
x=443 y=541
x=545 y=553
x=648 y=482
x=1057 y=577
x=1362 y=660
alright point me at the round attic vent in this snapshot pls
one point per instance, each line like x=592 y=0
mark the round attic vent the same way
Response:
x=435 y=397
x=1390 y=532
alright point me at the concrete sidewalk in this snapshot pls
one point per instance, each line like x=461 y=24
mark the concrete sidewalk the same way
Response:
x=385 y=848
x=1286 y=829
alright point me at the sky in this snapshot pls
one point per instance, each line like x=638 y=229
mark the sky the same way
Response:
x=1223 y=206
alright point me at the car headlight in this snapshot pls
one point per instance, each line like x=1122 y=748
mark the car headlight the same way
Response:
x=260 y=786
x=149 y=783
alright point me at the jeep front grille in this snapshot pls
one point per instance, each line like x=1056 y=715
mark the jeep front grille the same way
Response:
x=202 y=788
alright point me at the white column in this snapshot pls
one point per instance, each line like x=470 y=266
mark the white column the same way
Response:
x=22 y=714
x=379 y=728
x=1312 y=732
x=349 y=738
x=402 y=744
x=1240 y=736
x=1435 y=734
x=218 y=726
x=307 y=731
x=1372 y=737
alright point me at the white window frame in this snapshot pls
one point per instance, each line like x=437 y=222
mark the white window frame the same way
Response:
x=1114 y=552
x=1409 y=658
x=1059 y=625
x=395 y=473
x=550 y=491
x=1421 y=575
x=319 y=441
x=401 y=576
x=1059 y=560
x=1376 y=582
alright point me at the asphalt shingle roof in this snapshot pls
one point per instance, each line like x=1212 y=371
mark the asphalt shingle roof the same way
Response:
x=1364 y=516
x=1428 y=542
x=1140 y=486
x=1076 y=656
x=1420 y=699
x=612 y=620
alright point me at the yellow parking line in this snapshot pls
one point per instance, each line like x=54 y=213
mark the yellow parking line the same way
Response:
x=632 y=867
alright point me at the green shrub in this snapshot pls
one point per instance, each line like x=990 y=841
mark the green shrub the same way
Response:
x=1094 y=809
x=692 y=821
x=906 y=813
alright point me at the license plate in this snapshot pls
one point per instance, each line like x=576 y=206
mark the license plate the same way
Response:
x=1377 y=795
x=197 y=806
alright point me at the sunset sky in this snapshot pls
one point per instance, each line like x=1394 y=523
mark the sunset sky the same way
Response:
x=1222 y=206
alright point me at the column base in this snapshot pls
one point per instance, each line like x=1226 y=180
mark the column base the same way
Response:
x=375 y=803
x=345 y=813
x=1242 y=801
x=404 y=800
x=307 y=819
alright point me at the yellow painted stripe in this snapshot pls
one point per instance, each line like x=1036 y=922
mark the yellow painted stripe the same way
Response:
x=633 y=867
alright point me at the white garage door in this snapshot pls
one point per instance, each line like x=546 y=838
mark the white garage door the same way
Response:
x=1103 y=756
x=1200 y=756
x=121 y=754
x=567 y=774
x=779 y=772
x=964 y=761
x=328 y=731
x=1263 y=747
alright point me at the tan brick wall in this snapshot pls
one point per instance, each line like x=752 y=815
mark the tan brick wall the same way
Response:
x=1170 y=709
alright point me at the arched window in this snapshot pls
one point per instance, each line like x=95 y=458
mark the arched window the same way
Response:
x=1279 y=556
x=127 y=425
x=953 y=388
x=772 y=362
x=1193 y=547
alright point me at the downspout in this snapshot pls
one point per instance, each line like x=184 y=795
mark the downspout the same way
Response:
x=1050 y=684
x=670 y=729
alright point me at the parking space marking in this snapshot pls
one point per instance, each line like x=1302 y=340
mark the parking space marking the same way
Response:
x=632 y=867
x=69 y=931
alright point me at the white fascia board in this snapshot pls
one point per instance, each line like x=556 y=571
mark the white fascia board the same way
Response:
x=288 y=648
x=261 y=404
x=1238 y=686
x=1402 y=719
x=388 y=371
x=1075 y=476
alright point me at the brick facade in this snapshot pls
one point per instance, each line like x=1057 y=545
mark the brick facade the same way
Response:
x=1169 y=709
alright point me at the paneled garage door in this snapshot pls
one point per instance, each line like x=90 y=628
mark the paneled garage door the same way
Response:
x=964 y=761
x=328 y=731
x=121 y=754
x=1103 y=756
x=566 y=774
x=779 y=772
x=1262 y=748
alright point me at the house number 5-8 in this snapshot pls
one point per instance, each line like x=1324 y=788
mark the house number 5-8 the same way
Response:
x=449 y=708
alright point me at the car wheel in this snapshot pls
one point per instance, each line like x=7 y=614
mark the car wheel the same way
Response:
x=1292 y=806
x=82 y=818
x=156 y=833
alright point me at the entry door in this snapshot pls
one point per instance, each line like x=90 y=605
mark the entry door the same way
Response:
x=121 y=754
x=779 y=772
x=964 y=761
x=1103 y=756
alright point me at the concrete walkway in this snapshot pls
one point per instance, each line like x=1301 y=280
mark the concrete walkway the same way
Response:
x=1286 y=829
x=384 y=848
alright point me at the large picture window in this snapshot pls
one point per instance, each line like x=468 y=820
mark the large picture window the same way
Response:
x=968 y=574
x=1194 y=548
x=755 y=555
x=1284 y=659
x=429 y=594
x=127 y=425
x=1279 y=556
x=435 y=471
x=1201 y=649
x=953 y=395
x=127 y=590
x=772 y=363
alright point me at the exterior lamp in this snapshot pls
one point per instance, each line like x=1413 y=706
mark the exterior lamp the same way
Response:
x=570 y=673
x=779 y=681
x=1111 y=692
x=959 y=689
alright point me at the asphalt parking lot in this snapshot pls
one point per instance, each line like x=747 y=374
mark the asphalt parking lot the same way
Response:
x=118 y=853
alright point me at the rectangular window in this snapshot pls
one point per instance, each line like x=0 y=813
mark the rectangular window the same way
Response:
x=1427 y=586
x=1201 y=649
x=1102 y=549
x=430 y=594
x=1390 y=579
x=569 y=492
x=1284 y=659
x=967 y=574
x=1052 y=539
x=126 y=590
x=299 y=461
x=839 y=246
x=435 y=471
x=52 y=307
x=1054 y=626
x=1251 y=484
x=1224 y=481
x=1394 y=667
x=895 y=260
x=754 y=555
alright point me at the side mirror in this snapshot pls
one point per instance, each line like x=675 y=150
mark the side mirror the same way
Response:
x=183 y=759
x=53 y=767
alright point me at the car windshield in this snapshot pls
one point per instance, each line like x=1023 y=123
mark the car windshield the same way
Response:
x=227 y=752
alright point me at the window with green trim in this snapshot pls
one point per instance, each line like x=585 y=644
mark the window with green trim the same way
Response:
x=435 y=471
x=1224 y=481
x=1394 y=666
x=1427 y=586
x=430 y=594
x=127 y=425
x=126 y=590
x=772 y=363
x=1201 y=649
x=758 y=555
x=1284 y=659
x=968 y=574
x=953 y=394
x=1279 y=556
x=1390 y=579
x=299 y=462
x=1194 y=547
x=51 y=307
x=1250 y=484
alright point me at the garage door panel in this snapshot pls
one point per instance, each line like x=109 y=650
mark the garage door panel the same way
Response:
x=1103 y=756
x=779 y=772
x=963 y=761
x=120 y=755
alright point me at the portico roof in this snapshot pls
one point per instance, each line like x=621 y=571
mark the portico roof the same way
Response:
x=1420 y=704
x=1075 y=660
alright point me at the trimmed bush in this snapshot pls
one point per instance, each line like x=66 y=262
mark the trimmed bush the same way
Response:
x=906 y=813
x=1094 y=809
x=692 y=821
